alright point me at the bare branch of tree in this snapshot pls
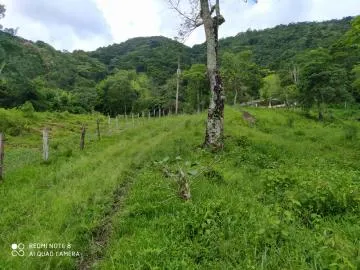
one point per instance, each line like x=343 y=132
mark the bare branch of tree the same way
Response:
x=174 y=4
x=191 y=18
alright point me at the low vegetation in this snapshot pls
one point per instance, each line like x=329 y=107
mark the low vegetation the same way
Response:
x=283 y=194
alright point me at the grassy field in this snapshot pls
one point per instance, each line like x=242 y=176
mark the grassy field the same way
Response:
x=284 y=194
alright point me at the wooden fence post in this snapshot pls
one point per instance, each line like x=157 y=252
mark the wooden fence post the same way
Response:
x=98 y=128
x=133 y=121
x=45 y=144
x=117 y=122
x=82 y=138
x=2 y=141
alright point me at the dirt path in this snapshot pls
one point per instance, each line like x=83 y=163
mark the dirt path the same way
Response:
x=101 y=235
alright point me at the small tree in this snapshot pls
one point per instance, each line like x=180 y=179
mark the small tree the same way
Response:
x=241 y=75
x=271 y=88
x=196 y=82
x=203 y=12
x=321 y=82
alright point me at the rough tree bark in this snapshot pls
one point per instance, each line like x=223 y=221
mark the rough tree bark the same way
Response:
x=214 y=136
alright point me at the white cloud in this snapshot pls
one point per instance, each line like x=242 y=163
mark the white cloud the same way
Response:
x=88 y=24
x=131 y=18
x=66 y=24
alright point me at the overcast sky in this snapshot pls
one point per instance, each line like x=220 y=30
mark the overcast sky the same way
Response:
x=89 y=24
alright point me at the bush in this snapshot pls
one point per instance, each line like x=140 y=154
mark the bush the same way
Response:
x=350 y=132
x=215 y=176
x=10 y=123
x=14 y=131
x=67 y=153
x=299 y=133
x=28 y=109
x=290 y=122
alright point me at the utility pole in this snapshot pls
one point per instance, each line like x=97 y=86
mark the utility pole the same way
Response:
x=178 y=73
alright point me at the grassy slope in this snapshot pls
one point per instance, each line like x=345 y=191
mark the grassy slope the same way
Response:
x=66 y=200
x=284 y=194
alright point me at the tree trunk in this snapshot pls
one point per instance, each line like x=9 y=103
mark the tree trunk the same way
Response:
x=295 y=74
x=235 y=97
x=198 y=101
x=2 y=140
x=320 y=116
x=98 y=128
x=215 y=122
x=82 y=138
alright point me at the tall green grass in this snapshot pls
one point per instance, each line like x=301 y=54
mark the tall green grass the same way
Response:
x=283 y=194
x=280 y=196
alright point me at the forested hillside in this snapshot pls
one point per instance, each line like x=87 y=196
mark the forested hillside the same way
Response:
x=273 y=47
x=157 y=56
x=49 y=79
x=140 y=74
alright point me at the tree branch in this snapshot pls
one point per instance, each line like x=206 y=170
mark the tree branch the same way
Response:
x=191 y=19
x=178 y=10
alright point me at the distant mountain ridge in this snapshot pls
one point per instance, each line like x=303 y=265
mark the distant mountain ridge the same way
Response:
x=272 y=46
x=65 y=77
x=145 y=54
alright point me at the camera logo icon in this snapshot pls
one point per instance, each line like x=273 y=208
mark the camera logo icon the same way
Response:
x=18 y=249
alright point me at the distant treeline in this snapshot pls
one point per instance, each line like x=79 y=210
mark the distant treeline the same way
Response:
x=312 y=64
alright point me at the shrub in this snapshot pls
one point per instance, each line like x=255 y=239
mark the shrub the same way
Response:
x=299 y=133
x=67 y=153
x=350 y=132
x=215 y=176
x=290 y=122
x=28 y=109
x=11 y=124
x=14 y=131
